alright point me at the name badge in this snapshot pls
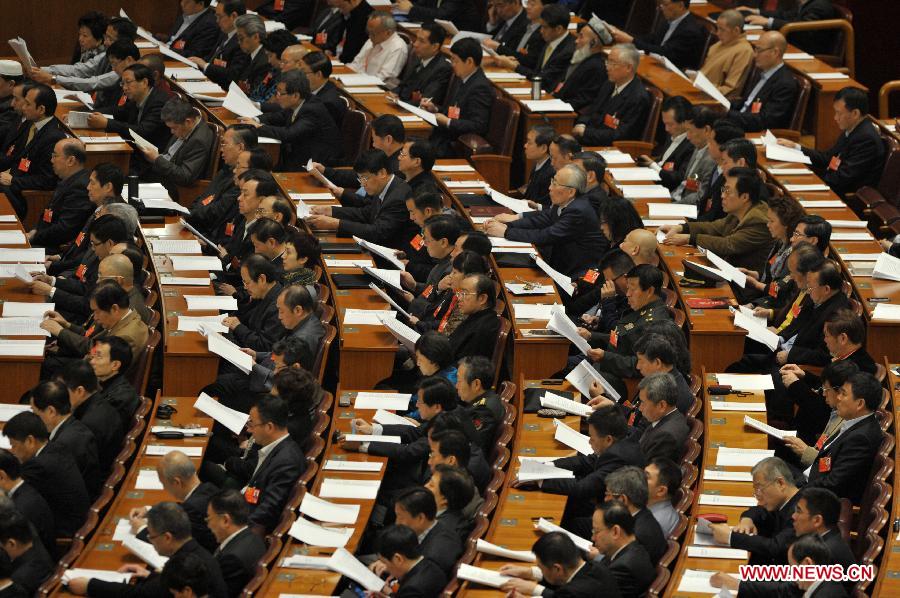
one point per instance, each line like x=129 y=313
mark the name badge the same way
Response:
x=824 y=464
x=207 y=200
x=80 y=272
x=591 y=276
x=251 y=495
x=122 y=100
x=427 y=292
x=89 y=331
x=669 y=166
x=614 y=337
x=79 y=239
x=321 y=38
x=835 y=163
x=229 y=229
x=692 y=185
x=610 y=121
x=24 y=164
x=48 y=215
x=417 y=242
x=756 y=107
x=179 y=45
x=453 y=112
x=220 y=62
x=279 y=5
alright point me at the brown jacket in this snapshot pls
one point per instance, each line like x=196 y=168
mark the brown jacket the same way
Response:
x=727 y=67
x=745 y=243
x=130 y=328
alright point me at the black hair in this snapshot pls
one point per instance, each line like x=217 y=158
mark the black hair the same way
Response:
x=119 y=350
x=318 y=62
x=272 y=410
x=567 y=144
x=485 y=286
x=109 y=228
x=79 y=373
x=441 y=226
x=655 y=346
x=398 y=539
x=844 y=321
x=741 y=148
x=51 y=393
x=867 y=387
x=838 y=372
x=266 y=228
x=467 y=48
x=617 y=261
x=616 y=513
x=277 y=41
x=186 y=570
x=25 y=424
x=298 y=295
x=231 y=503
x=258 y=265
x=620 y=216
x=593 y=162
x=469 y=262
x=669 y=475
x=142 y=72
x=824 y=502
x=105 y=296
x=10 y=465
x=556 y=548
x=372 y=161
x=295 y=82
x=437 y=390
x=608 y=421
x=45 y=97
x=854 y=99
x=812 y=547
x=108 y=173
x=477 y=242
x=424 y=151
x=478 y=367
x=416 y=501
x=829 y=274
x=15 y=526
x=455 y=485
x=122 y=49
x=389 y=124
x=703 y=116
x=436 y=33
x=680 y=107
x=816 y=226
x=648 y=277
x=555 y=15
x=123 y=27
x=748 y=182
x=724 y=131
x=543 y=135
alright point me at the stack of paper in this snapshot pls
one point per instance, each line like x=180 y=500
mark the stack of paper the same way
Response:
x=741 y=457
x=142 y=143
x=546 y=526
x=531 y=471
x=304 y=561
x=716 y=552
x=372 y=438
x=532 y=311
x=366 y=317
x=391 y=277
x=395 y=401
x=747 y=382
x=386 y=418
x=419 y=112
x=615 y=156
x=504 y=76
x=26 y=310
x=767 y=429
x=474 y=184
x=727 y=476
x=34 y=255
x=357 y=489
x=147 y=479
x=385 y=252
x=882 y=311
x=176 y=246
x=145 y=551
x=822 y=203
x=705 y=85
x=329 y=512
x=7 y=411
x=101 y=574
x=756 y=330
x=563 y=281
x=672 y=210
x=232 y=419
x=485 y=577
x=358 y=262
x=727 y=501
x=346 y=564
x=237 y=102
x=780 y=153
x=553 y=105
x=317 y=535
x=357 y=79
x=645 y=192
x=560 y=323
x=12 y=237
x=696 y=581
x=795 y=188
x=210 y=302
x=223 y=347
x=634 y=174
x=519 y=555
x=403 y=333
x=209 y=323
x=185 y=74
x=22 y=348
x=183 y=430
x=389 y=299
x=22 y=327
x=358 y=466
x=573 y=439
x=555 y=401
x=161 y=450
x=184 y=281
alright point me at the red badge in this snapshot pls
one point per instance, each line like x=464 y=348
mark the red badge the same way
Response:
x=756 y=107
x=614 y=337
x=179 y=45
x=79 y=239
x=627 y=404
x=229 y=229
x=835 y=163
x=207 y=200
x=524 y=51
x=416 y=97
x=89 y=331
x=631 y=418
x=48 y=215
x=80 y=272
x=321 y=38
x=427 y=292
x=122 y=100
x=24 y=164
x=795 y=310
x=591 y=276
x=267 y=78
x=610 y=121
x=559 y=86
x=220 y=62
x=418 y=242
x=669 y=166
x=824 y=464
x=453 y=112
x=279 y=5
x=821 y=442
x=692 y=185
x=251 y=495
x=773 y=289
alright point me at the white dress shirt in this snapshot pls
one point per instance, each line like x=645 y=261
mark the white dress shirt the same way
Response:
x=385 y=60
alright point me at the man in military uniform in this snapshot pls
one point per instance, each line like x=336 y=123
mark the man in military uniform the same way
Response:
x=475 y=376
x=614 y=356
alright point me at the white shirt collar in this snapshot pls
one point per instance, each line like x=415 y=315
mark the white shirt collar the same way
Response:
x=40 y=123
x=424 y=534
x=255 y=52
x=14 y=488
x=58 y=426
x=230 y=538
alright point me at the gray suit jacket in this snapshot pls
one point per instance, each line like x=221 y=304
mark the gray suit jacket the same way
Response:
x=696 y=178
x=310 y=331
x=189 y=162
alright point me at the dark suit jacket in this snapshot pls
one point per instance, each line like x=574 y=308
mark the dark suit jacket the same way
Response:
x=228 y=62
x=809 y=348
x=424 y=580
x=684 y=47
x=442 y=545
x=310 y=332
x=75 y=438
x=649 y=533
x=593 y=579
x=195 y=507
x=583 y=84
x=293 y=13
x=461 y=13
x=840 y=551
x=257 y=71
x=476 y=335
x=531 y=51
x=538 y=187
x=103 y=420
x=239 y=558
x=860 y=157
x=843 y=465
x=311 y=134
x=554 y=70
x=632 y=569
x=32 y=569
x=118 y=392
x=430 y=81
x=474 y=99
x=189 y=162
x=68 y=210
x=328 y=29
x=55 y=475
x=570 y=241
x=778 y=98
x=150 y=126
x=152 y=586
x=675 y=166
x=275 y=479
x=237 y=244
x=35 y=158
x=261 y=327
x=216 y=205
x=813 y=42
x=382 y=221
x=775 y=532
x=590 y=471
x=199 y=39
x=334 y=101
x=513 y=34
x=35 y=509
x=627 y=114
x=709 y=207
x=355 y=34
x=672 y=428
x=486 y=413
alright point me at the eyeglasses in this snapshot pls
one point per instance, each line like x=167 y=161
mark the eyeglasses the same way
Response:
x=726 y=190
x=252 y=424
x=556 y=183
x=758 y=50
x=96 y=243
x=363 y=179
x=464 y=294
x=757 y=490
x=797 y=233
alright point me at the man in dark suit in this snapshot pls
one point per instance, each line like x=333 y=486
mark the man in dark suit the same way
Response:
x=50 y=402
x=676 y=153
x=507 y=21
x=235 y=243
x=304 y=126
x=256 y=325
x=99 y=416
x=416 y=509
x=317 y=68
x=475 y=376
x=817 y=511
x=562 y=572
x=537 y=150
x=26 y=163
x=613 y=535
x=814 y=42
x=292 y=13
x=766 y=530
x=257 y=45
x=327 y=28
x=558 y=48
x=400 y=553
x=458 y=12
x=27 y=500
x=857 y=157
x=679 y=36
x=239 y=549
x=110 y=358
x=279 y=462
x=567 y=234
x=720 y=149
x=383 y=219
x=31 y=565
x=185 y=158
x=477 y=334
x=667 y=427
x=227 y=62
x=612 y=450
x=53 y=472
x=587 y=72
x=620 y=109
x=845 y=460
x=355 y=14
x=467 y=107
x=195 y=31
x=427 y=72
x=773 y=93
x=595 y=167
x=628 y=485
x=169 y=531
x=69 y=207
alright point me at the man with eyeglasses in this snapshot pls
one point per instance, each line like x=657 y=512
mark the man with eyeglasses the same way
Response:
x=773 y=97
x=228 y=61
x=679 y=36
x=567 y=234
x=317 y=68
x=766 y=530
x=427 y=72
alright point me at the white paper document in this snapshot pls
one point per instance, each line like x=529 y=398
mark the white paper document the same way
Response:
x=12 y=237
x=389 y=299
x=737 y=457
x=26 y=310
x=209 y=323
x=789 y=171
x=317 y=535
x=164 y=204
x=372 y=438
x=208 y=263
x=385 y=252
x=560 y=323
x=807 y=187
x=767 y=429
x=519 y=206
x=329 y=512
x=506 y=243
x=747 y=381
x=142 y=143
x=582 y=376
x=696 y=581
x=452 y=168
x=615 y=156
x=185 y=74
x=706 y=86
x=822 y=203
x=20 y=47
x=304 y=561
x=366 y=317
x=882 y=311
x=727 y=501
x=530 y=471
x=859 y=224
x=522 y=289
x=645 y=192
x=780 y=153
x=237 y=101
x=34 y=255
x=147 y=479
x=532 y=311
x=22 y=348
x=8 y=410
x=571 y=438
x=210 y=302
x=232 y=419
x=358 y=466
x=554 y=105
x=394 y=401
x=101 y=574
x=827 y=76
x=564 y=282
x=732 y=273
x=555 y=401
x=851 y=236
x=403 y=333
x=357 y=79
x=176 y=246
x=358 y=489
x=423 y=114
x=737 y=406
x=466 y=184
x=504 y=76
x=480 y=575
x=161 y=450
x=547 y=527
x=346 y=564
x=634 y=174
x=223 y=347
x=727 y=476
x=672 y=210
x=386 y=418
x=755 y=330
x=22 y=327
x=167 y=51
x=492 y=549
x=860 y=257
x=185 y=431
x=717 y=552
x=184 y=281
x=358 y=262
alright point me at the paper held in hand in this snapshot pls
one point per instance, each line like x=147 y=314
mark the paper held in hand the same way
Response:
x=391 y=277
x=560 y=323
x=732 y=273
x=195 y=232
x=223 y=347
x=480 y=575
x=232 y=419
x=145 y=551
x=887 y=267
x=318 y=175
x=492 y=549
x=583 y=374
x=380 y=250
x=767 y=429
x=403 y=333
x=531 y=471
x=546 y=526
x=519 y=206
x=389 y=299
x=346 y=564
x=563 y=281
x=142 y=143
x=568 y=405
x=20 y=47
x=706 y=86
x=317 y=535
x=571 y=438
x=423 y=114
x=237 y=101
x=755 y=330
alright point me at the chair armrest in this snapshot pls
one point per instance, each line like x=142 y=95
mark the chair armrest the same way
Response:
x=187 y=195
x=475 y=144
x=494 y=168
x=839 y=24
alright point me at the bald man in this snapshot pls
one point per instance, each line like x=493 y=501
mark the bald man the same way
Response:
x=120 y=268
x=291 y=57
x=640 y=245
x=178 y=476
x=69 y=207
x=773 y=94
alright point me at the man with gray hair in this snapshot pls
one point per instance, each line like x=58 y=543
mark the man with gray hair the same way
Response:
x=124 y=212
x=622 y=105
x=251 y=33
x=169 y=531
x=69 y=207
x=766 y=530
x=628 y=485
x=178 y=476
x=666 y=427
x=568 y=234
x=384 y=53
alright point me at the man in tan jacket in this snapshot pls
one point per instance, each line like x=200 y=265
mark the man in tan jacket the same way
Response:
x=729 y=60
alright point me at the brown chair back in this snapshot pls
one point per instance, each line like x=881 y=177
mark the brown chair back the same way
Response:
x=355 y=135
x=507 y=391
x=322 y=355
x=802 y=101
x=500 y=346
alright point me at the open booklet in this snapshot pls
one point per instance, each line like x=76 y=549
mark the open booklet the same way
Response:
x=142 y=143
x=232 y=419
x=20 y=47
x=238 y=102
x=380 y=250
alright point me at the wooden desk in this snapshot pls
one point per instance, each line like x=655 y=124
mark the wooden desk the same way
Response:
x=114 y=153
